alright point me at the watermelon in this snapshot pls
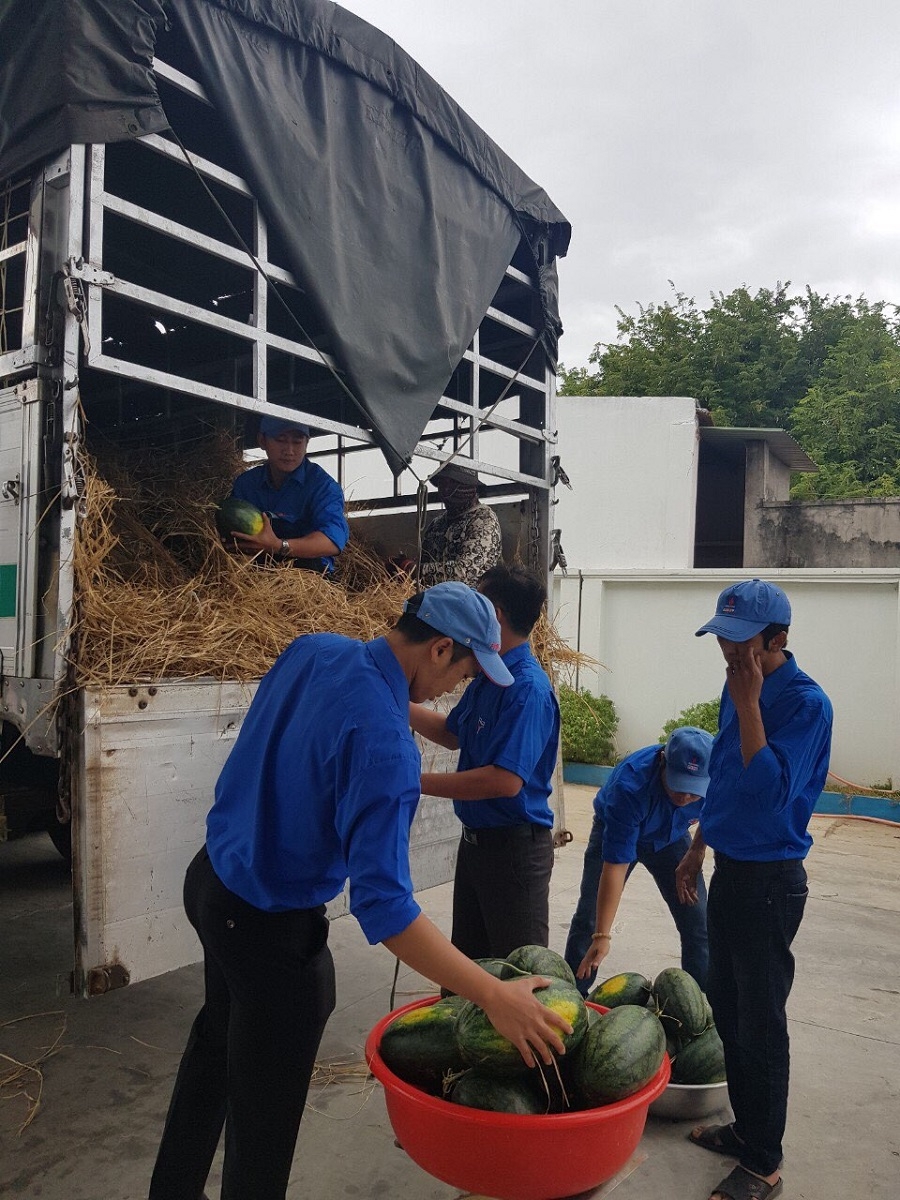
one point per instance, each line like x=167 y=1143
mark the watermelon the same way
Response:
x=420 y=1045
x=237 y=516
x=498 y=967
x=618 y=1055
x=627 y=988
x=702 y=1060
x=479 y=1087
x=539 y=960
x=481 y=1045
x=680 y=1003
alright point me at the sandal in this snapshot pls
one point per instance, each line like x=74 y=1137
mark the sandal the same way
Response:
x=743 y=1185
x=721 y=1139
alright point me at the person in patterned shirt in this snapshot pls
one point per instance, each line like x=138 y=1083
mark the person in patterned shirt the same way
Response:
x=464 y=541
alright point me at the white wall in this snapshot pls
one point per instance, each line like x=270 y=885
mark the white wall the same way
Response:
x=632 y=462
x=640 y=626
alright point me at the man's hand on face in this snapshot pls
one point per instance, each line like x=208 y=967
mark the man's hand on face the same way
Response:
x=744 y=675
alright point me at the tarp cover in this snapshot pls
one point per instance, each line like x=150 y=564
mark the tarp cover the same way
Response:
x=399 y=214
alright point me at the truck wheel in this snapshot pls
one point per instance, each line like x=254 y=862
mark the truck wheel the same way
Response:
x=61 y=836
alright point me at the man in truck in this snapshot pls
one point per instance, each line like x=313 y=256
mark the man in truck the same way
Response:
x=464 y=541
x=302 y=506
x=321 y=786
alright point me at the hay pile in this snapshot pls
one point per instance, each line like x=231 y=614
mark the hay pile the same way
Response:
x=158 y=596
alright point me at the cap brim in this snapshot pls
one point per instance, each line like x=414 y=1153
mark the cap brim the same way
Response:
x=733 y=629
x=494 y=667
x=691 y=785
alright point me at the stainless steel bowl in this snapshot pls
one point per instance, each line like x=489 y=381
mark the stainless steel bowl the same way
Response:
x=690 y=1101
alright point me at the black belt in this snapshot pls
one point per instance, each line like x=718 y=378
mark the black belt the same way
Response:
x=754 y=866
x=499 y=833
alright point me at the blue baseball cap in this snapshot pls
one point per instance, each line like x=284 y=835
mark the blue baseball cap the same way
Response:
x=687 y=760
x=744 y=610
x=272 y=426
x=459 y=612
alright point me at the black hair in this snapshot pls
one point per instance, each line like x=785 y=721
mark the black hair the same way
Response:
x=417 y=631
x=518 y=592
x=770 y=631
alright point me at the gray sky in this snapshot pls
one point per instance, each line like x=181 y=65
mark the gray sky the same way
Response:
x=707 y=142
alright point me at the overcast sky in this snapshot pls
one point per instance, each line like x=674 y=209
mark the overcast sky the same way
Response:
x=707 y=142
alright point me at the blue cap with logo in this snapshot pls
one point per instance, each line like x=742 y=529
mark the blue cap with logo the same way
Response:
x=272 y=426
x=687 y=760
x=461 y=613
x=744 y=610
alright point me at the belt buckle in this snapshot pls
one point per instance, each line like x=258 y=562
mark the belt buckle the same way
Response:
x=470 y=836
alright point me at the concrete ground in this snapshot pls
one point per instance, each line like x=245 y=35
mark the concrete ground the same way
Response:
x=104 y=1089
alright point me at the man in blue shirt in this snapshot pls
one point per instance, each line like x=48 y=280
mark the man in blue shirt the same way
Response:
x=768 y=767
x=303 y=506
x=321 y=786
x=641 y=815
x=508 y=740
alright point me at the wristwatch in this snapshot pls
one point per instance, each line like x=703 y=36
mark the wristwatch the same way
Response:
x=285 y=551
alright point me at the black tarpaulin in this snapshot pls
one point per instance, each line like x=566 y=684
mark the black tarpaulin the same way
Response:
x=75 y=71
x=399 y=214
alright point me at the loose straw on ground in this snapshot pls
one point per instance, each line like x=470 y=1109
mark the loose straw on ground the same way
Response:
x=21 y=1074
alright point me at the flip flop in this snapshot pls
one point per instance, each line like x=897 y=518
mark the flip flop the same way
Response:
x=743 y=1185
x=721 y=1139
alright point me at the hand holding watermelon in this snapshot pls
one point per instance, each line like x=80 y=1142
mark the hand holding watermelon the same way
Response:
x=266 y=541
x=243 y=526
x=520 y=1017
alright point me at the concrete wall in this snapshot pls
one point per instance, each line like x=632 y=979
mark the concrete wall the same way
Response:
x=640 y=626
x=823 y=533
x=632 y=462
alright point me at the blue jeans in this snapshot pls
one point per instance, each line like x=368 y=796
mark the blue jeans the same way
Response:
x=690 y=919
x=755 y=910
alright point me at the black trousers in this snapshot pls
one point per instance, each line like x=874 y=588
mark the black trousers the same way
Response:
x=269 y=992
x=754 y=912
x=501 y=892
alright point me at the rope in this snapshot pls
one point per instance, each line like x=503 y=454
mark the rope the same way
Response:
x=861 y=788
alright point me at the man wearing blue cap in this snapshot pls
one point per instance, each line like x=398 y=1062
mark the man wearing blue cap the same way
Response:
x=321 y=786
x=303 y=506
x=767 y=769
x=508 y=740
x=641 y=815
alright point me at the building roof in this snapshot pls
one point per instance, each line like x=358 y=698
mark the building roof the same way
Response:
x=782 y=445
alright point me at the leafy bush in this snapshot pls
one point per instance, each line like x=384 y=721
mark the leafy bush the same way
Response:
x=589 y=725
x=704 y=715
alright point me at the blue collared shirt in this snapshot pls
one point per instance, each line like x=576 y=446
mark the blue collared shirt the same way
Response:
x=308 y=501
x=516 y=728
x=636 y=811
x=760 y=812
x=322 y=784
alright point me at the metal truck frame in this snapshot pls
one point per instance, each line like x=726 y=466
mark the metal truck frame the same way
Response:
x=133 y=767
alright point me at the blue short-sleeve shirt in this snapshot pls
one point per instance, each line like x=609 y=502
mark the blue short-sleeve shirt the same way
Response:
x=308 y=501
x=322 y=785
x=760 y=813
x=516 y=728
x=636 y=812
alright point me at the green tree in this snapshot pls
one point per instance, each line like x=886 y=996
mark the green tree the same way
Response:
x=849 y=420
x=827 y=368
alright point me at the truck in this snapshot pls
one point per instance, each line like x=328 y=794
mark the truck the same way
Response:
x=211 y=211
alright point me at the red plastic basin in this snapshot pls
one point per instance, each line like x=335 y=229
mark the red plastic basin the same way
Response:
x=506 y=1156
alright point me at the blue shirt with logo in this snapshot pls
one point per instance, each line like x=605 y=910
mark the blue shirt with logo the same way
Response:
x=515 y=728
x=322 y=785
x=636 y=811
x=760 y=813
x=309 y=500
